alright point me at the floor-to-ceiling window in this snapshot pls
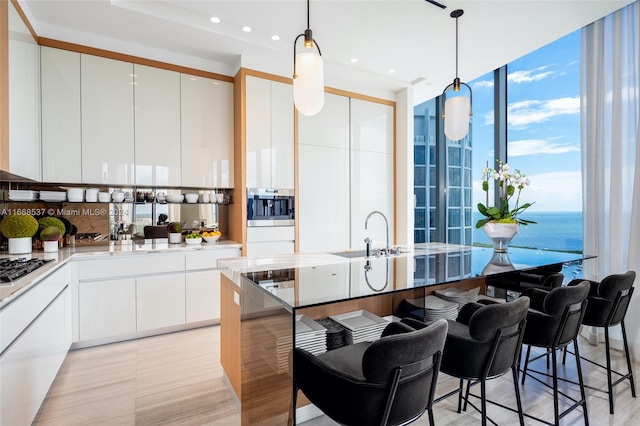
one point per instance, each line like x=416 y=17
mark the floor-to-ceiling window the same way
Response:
x=526 y=113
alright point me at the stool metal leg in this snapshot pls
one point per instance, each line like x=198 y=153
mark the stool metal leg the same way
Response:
x=626 y=353
x=556 y=409
x=526 y=364
x=583 y=395
x=608 y=357
x=514 y=371
x=483 y=402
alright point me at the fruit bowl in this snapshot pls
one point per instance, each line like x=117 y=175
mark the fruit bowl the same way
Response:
x=212 y=238
x=193 y=240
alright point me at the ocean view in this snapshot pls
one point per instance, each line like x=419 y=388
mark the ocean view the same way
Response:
x=561 y=231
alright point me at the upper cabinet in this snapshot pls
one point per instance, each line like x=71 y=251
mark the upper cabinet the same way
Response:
x=61 y=119
x=107 y=121
x=323 y=139
x=372 y=170
x=269 y=134
x=24 y=99
x=356 y=137
x=157 y=126
x=111 y=122
x=206 y=132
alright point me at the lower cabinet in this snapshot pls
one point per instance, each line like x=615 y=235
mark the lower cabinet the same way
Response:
x=30 y=363
x=202 y=293
x=152 y=292
x=160 y=301
x=106 y=308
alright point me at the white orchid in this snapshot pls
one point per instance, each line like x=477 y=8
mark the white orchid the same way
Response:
x=506 y=184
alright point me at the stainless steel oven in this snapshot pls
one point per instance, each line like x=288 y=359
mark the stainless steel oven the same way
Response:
x=270 y=207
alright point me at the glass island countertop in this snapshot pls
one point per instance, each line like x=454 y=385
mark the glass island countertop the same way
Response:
x=306 y=280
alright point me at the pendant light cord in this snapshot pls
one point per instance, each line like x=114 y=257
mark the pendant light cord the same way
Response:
x=308 y=22
x=456 y=46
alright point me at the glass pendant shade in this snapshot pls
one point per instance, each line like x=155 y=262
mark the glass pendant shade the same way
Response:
x=308 y=86
x=456 y=121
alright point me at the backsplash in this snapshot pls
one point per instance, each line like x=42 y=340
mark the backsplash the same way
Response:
x=99 y=222
x=91 y=219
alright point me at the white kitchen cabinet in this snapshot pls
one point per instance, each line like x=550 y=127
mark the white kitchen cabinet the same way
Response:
x=355 y=139
x=29 y=365
x=61 y=117
x=202 y=294
x=107 y=121
x=35 y=336
x=106 y=308
x=269 y=134
x=130 y=266
x=157 y=127
x=372 y=172
x=160 y=301
x=372 y=126
x=206 y=132
x=270 y=240
x=202 y=283
x=125 y=296
x=24 y=99
x=323 y=145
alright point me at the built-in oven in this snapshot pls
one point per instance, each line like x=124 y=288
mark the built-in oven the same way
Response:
x=270 y=207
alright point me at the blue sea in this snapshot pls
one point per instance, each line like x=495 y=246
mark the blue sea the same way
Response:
x=560 y=231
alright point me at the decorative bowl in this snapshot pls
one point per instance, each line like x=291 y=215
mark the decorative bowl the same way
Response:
x=173 y=198
x=191 y=197
x=211 y=239
x=118 y=196
x=75 y=195
x=193 y=241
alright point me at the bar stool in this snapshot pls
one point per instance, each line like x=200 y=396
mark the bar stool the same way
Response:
x=553 y=321
x=390 y=381
x=484 y=343
x=608 y=303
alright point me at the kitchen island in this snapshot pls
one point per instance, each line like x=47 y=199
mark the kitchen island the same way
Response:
x=261 y=299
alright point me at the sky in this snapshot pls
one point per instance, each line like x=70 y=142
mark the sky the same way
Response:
x=543 y=114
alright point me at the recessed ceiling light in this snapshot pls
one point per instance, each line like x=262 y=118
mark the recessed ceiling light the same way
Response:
x=215 y=19
x=246 y=29
x=275 y=37
x=354 y=60
x=392 y=70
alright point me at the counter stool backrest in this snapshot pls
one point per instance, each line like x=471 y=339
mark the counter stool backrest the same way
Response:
x=569 y=303
x=618 y=288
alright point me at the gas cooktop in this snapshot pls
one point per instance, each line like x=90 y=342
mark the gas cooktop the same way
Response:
x=12 y=269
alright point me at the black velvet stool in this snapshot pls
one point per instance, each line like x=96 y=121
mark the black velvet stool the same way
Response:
x=484 y=343
x=553 y=322
x=390 y=381
x=608 y=303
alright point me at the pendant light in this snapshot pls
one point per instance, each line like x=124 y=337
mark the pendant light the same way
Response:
x=308 y=74
x=457 y=109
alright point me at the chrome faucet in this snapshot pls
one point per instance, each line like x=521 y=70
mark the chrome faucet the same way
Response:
x=366 y=221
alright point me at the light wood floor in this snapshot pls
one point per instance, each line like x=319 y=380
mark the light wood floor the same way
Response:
x=176 y=379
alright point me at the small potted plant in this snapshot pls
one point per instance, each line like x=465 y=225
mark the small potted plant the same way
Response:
x=50 y=235
x=55 y=222
x=19 y=229
x=175 y=232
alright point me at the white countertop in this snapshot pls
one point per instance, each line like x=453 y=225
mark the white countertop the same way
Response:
x=12 y=290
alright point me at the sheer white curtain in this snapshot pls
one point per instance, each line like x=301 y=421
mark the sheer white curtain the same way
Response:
x=610 y=92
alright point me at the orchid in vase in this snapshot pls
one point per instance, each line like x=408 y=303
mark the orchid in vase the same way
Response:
x=506 y=184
